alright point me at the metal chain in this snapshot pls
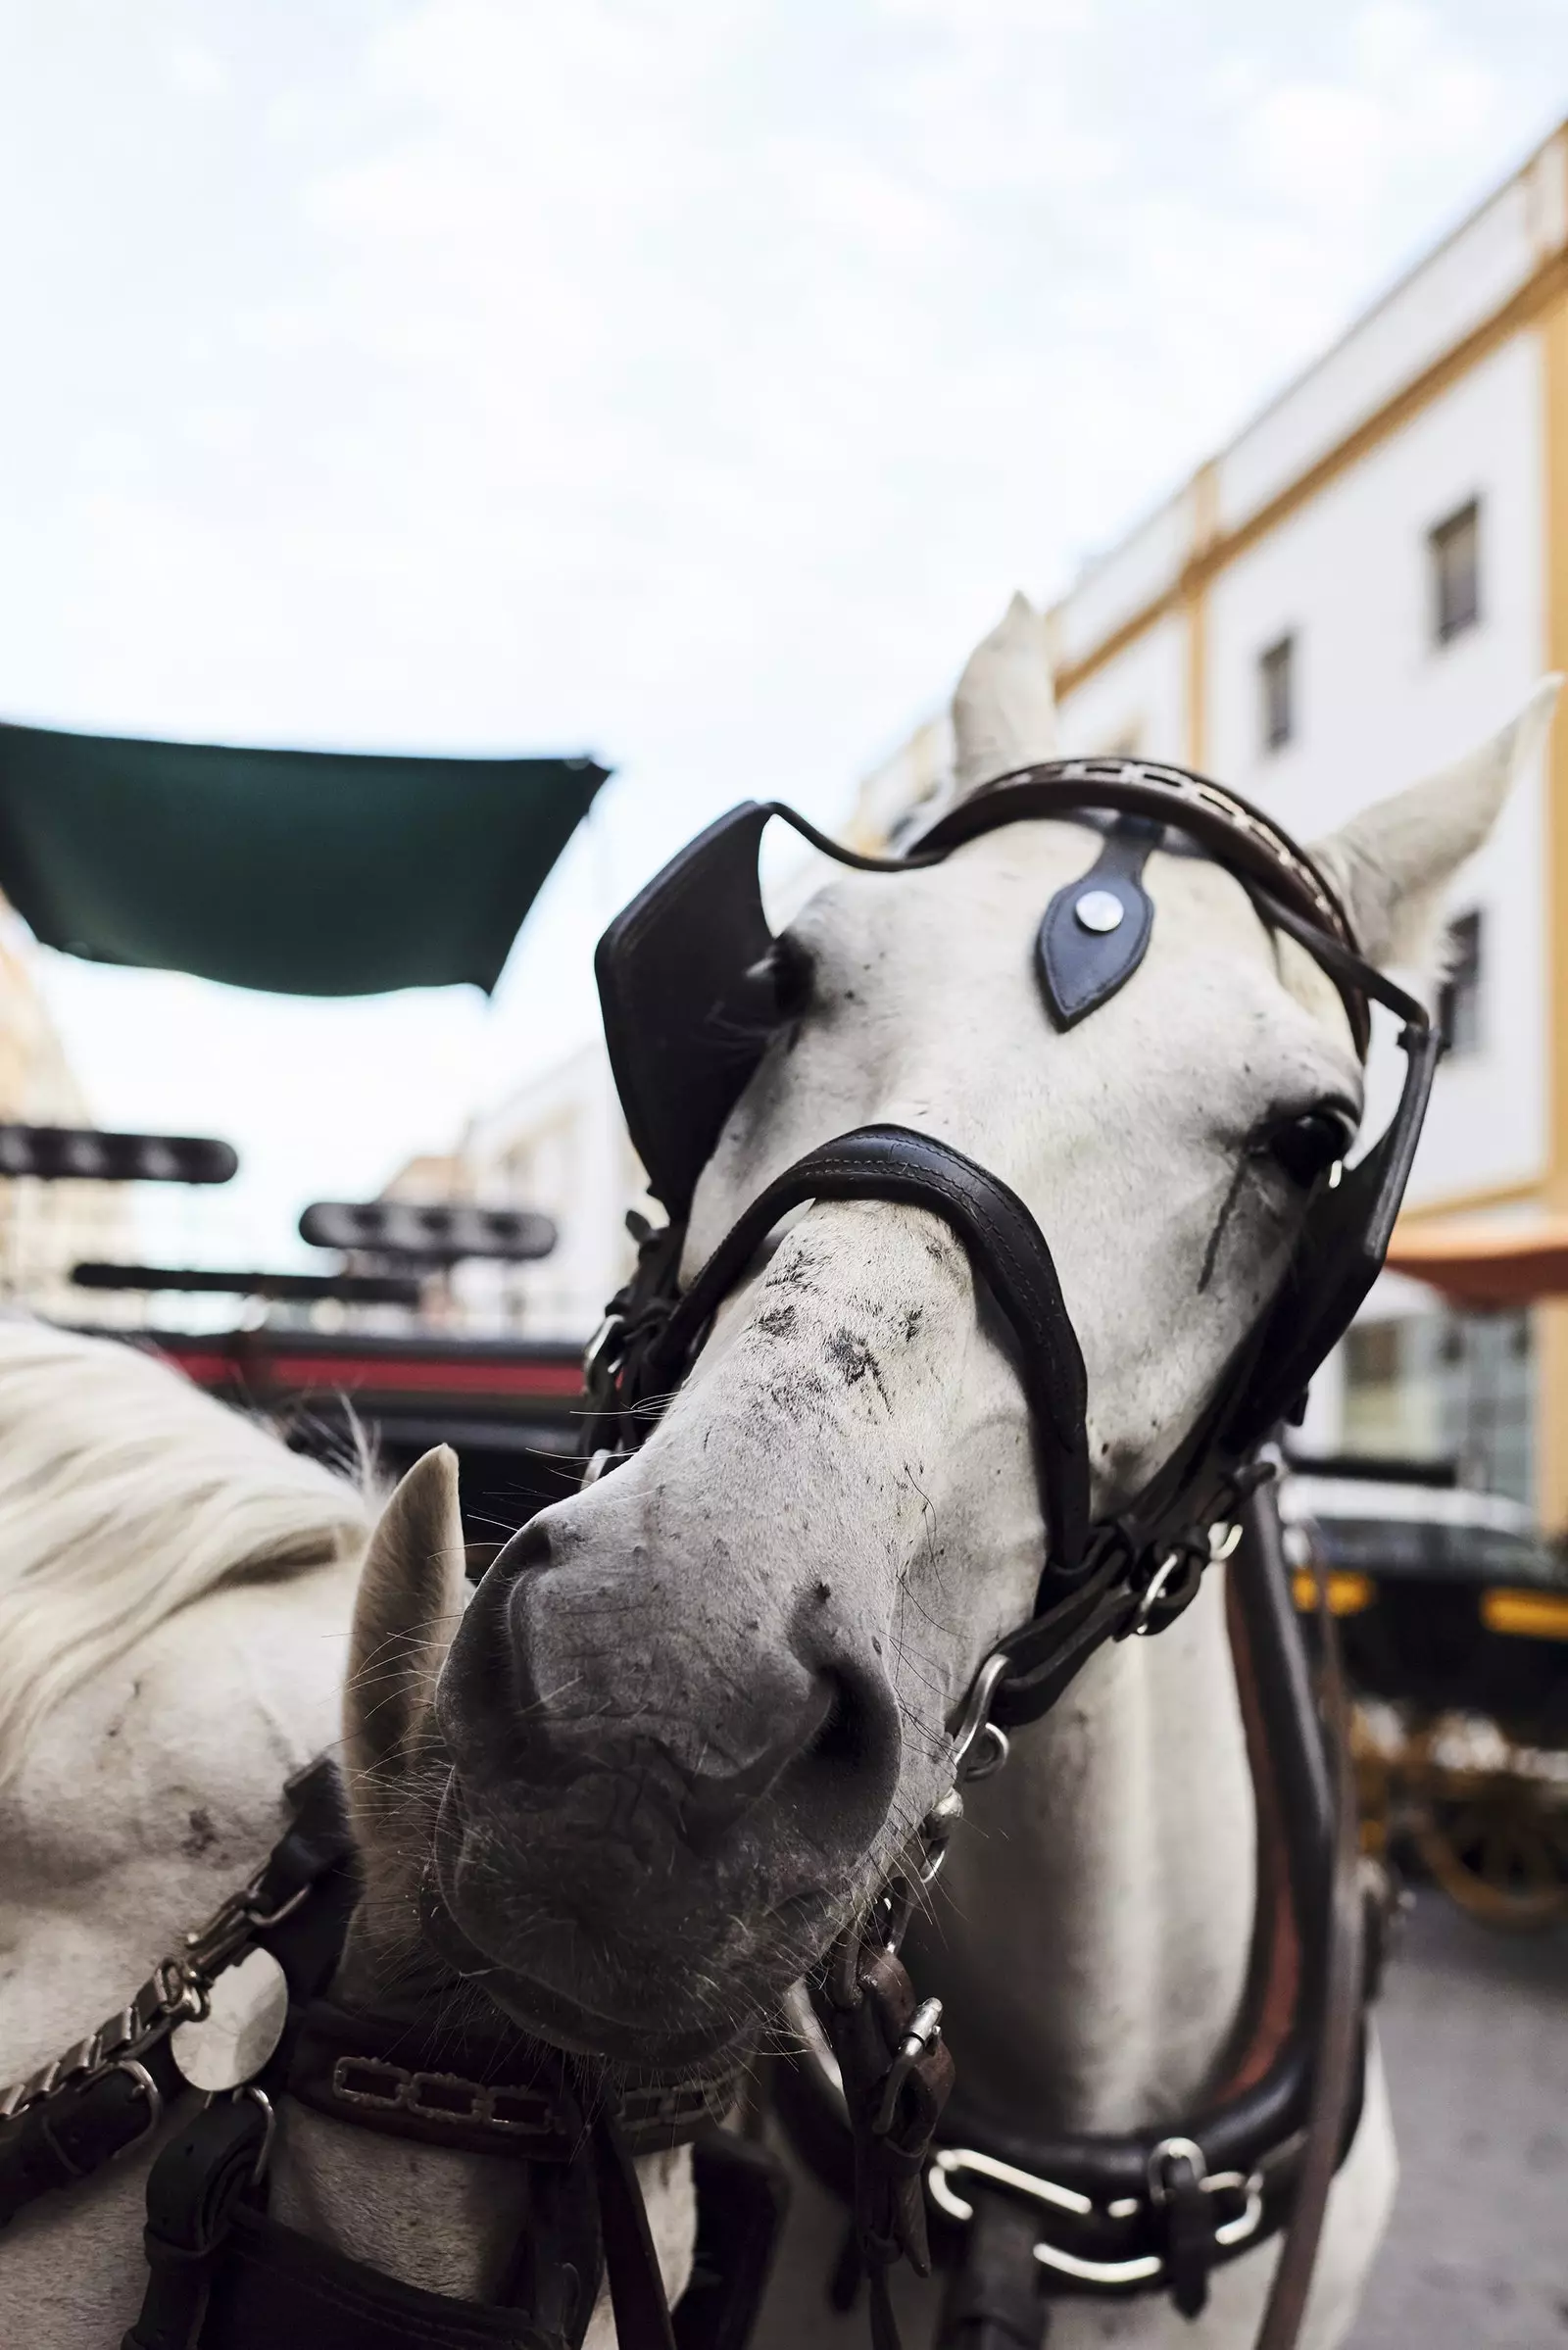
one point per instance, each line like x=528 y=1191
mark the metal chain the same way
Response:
x=177 y=1991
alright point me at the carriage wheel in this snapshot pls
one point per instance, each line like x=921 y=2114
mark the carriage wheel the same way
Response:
x=1374 y=1787
x=1496 y=1848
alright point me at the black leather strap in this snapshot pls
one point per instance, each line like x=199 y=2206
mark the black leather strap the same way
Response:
x=301 y=1902
x=278 y=2291
x=1007 y=1251
x=631 y=2266
x=742 y=2200
x=1096 y=929
x=193 y=2194
x=996 y=2292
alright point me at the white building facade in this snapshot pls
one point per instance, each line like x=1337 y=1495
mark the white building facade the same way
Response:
x=1363 y=585
x=557 y=1143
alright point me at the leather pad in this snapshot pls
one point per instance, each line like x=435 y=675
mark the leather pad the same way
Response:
x=1081 y=960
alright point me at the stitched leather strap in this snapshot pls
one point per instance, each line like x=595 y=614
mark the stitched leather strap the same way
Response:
x=1006 y=1247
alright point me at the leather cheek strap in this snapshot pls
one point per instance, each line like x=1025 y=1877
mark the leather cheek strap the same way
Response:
x=1006 y=1247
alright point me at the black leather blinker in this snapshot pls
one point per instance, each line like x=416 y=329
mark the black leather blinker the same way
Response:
x=1097 y=930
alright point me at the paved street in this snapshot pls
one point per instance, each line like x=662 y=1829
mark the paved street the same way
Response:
x=1475 y=2031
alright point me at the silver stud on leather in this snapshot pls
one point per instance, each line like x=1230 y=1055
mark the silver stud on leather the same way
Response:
x=1098 y=909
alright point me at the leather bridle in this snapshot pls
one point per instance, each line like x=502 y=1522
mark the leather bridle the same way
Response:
x=1132 y=1572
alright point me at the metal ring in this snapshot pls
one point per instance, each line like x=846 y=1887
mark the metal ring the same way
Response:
x=256 y=1922
x=1172 y=2150
x=153 y=2096
x=248 y=2088
x=976 y=1715
x=991 y=1750
x=1153 y=1590
x=1246 y=2224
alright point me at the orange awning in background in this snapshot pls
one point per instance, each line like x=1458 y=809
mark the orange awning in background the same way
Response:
x=1486 y=1265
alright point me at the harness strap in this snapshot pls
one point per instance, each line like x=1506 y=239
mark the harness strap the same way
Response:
x=110 y=2091
x=475 y=2091
x=742 y=2198
x=193 y=2190
x=996 y=2294
x=1006 y=1247
x=631 y=2266
x=1336 y=2076
x=276 y=2287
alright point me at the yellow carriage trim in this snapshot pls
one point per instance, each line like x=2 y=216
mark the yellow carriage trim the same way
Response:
x=1349 y=1592
x=1532 y=1615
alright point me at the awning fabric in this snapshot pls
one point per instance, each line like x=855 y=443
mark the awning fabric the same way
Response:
x=303 y=872
x=1486 y=1265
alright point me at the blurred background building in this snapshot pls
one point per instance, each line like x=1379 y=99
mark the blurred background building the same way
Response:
x=46 y=1228
x=1366 y=582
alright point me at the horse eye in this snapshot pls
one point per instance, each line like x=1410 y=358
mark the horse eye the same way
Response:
x=1305 y=1148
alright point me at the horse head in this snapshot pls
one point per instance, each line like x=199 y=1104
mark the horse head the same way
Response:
x=694 y=1715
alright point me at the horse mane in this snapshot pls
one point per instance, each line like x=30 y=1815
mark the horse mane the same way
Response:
x=126 y=1493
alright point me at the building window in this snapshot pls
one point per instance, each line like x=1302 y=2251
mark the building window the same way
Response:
x=1456 y=559
x=1445 y=1386
x=1275 y=674
x=1459 y=996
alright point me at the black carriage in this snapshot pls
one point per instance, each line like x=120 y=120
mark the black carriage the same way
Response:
x=1454 y=1621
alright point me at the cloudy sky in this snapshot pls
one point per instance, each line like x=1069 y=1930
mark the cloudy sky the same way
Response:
x=687 y=380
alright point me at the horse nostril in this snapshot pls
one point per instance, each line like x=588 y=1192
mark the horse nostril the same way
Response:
x=843 y=1777
x=839 y=1738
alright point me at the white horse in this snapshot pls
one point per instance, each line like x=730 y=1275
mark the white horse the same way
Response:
x=178 y=1600
x=722 y=1679
x=692 y=1715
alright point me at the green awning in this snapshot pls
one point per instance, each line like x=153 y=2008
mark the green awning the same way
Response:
x=304 y=872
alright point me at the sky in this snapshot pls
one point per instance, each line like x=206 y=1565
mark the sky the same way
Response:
x=688 y=382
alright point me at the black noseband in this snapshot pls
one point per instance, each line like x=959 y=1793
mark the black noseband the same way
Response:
x=1004 y=1246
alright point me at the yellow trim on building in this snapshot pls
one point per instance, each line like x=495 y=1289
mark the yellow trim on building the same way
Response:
x=1536 y=300
x=1525 y=1193
x=1540 y=305
x=1552 y=1378
x=1205 y=501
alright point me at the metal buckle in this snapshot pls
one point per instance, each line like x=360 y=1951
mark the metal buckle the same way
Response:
x=951 y=2162
x=152 y=2097
x=1144 y=2268
x=975 y=1724
x=596 y=1354
x=925 y=2028
x=1167 y=2152
x=600 y=1463
x=258 y=1921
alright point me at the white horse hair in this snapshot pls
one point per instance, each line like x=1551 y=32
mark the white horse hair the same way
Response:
x=178 y=1594
x=125 y=1495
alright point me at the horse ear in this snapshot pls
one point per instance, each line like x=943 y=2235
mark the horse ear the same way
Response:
x=410 y=1598
x=1392 y=863
x=1004 y=706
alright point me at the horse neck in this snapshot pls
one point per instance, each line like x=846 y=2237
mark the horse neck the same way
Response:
x=1092 y=1933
